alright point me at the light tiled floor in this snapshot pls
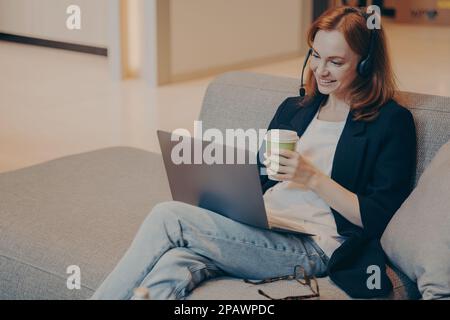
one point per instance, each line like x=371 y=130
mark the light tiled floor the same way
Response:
x=55 y=103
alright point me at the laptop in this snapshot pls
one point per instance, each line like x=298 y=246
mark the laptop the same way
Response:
x=232 y=190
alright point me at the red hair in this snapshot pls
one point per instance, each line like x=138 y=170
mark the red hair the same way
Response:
x=366 y=95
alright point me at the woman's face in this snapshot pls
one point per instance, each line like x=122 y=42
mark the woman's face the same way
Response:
x=333 y=63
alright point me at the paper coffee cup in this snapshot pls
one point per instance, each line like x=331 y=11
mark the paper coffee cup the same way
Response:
x=278 y=139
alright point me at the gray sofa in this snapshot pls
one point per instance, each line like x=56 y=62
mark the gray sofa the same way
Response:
x=85 y=209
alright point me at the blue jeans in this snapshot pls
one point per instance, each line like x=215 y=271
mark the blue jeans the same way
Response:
x=178 y=246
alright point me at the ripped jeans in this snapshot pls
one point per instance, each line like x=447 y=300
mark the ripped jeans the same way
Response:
x=179 y=246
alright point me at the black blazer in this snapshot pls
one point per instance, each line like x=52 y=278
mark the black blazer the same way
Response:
x=375 y=160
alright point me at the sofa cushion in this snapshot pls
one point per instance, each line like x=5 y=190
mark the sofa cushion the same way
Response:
x=79 y=210
x=226 y=288
x=84 y=210
x=417 y=239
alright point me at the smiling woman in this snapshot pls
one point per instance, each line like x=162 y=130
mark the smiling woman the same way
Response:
x=333 y=73
x=351 y=169
x=341 y=40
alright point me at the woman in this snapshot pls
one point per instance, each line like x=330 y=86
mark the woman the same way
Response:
x=351 y=171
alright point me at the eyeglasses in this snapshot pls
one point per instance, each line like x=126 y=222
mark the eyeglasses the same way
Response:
x=299 y=273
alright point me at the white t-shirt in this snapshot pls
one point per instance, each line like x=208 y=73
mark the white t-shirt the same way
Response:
x=287 y=199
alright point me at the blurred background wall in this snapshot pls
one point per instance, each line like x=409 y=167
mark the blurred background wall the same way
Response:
x=165 y=41
x=46 y=19
x=206 y=36
x=59 y=102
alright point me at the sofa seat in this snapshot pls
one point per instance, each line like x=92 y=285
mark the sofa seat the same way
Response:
x=84 y=210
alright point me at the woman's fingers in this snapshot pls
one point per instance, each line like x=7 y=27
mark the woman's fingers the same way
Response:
x=282 y=177
x=270 y=172
x=281 y=160
x=281 y=164
x=285 y=169
x=284 y=152
x=277 y=168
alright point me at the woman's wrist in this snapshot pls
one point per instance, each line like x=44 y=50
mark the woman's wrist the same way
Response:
x=316 y=181
x=337 y=197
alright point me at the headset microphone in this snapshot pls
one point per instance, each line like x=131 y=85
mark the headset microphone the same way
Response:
x=302 y=90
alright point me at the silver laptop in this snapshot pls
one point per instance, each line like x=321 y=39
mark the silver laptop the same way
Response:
x=232 y=190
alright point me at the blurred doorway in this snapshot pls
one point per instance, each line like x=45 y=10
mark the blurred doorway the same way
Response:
x=320 y=6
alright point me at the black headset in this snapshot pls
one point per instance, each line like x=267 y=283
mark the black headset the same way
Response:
x=365 y=66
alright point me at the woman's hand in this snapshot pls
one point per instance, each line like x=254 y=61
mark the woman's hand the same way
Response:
x=286 y=165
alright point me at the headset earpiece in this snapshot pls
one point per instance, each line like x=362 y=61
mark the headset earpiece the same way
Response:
x=365 y=66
